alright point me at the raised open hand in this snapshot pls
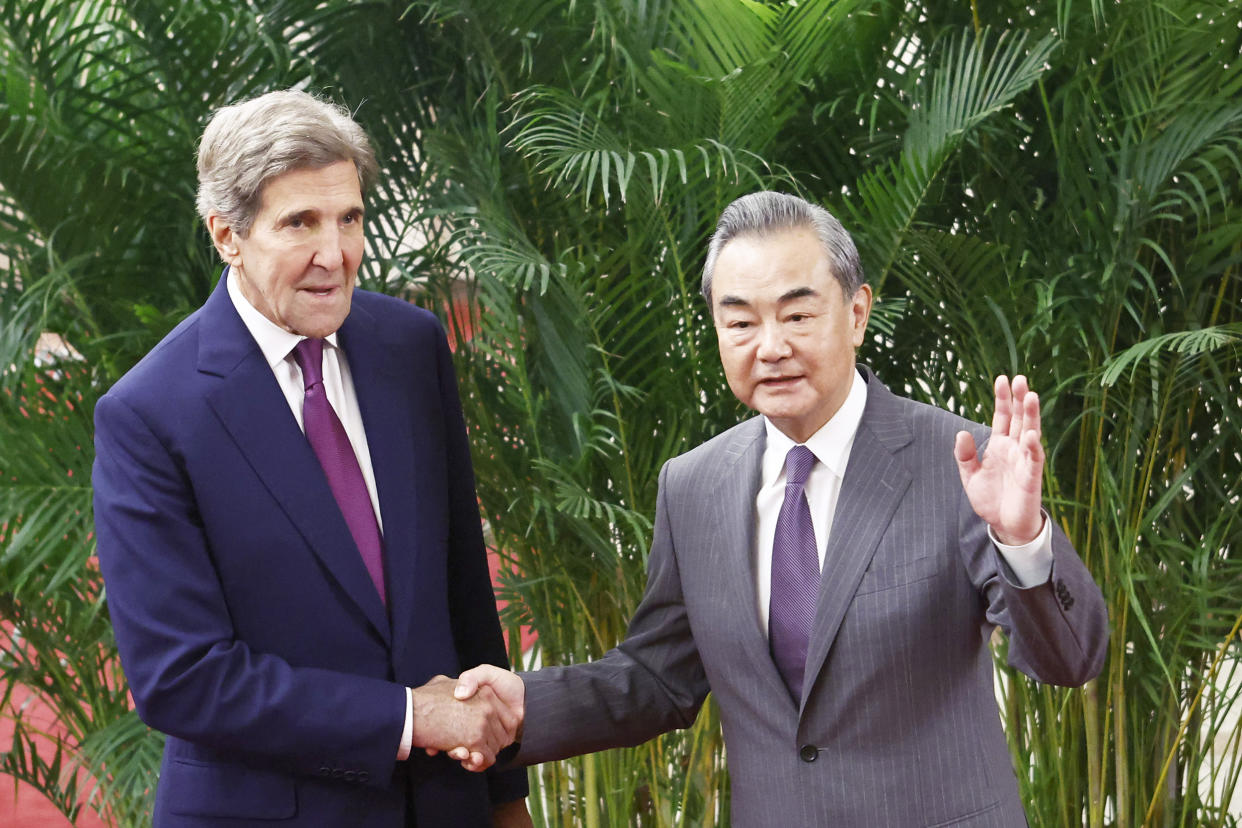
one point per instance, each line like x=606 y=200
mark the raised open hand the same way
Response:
x=1004 y=487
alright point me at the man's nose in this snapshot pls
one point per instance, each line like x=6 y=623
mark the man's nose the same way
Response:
x=329 y=252
x=773 y=344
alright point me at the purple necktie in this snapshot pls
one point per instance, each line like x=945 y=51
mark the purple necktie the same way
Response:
x=331 y=444
x=795 y=574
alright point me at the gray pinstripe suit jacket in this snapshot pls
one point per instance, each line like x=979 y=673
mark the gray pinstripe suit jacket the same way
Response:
x=898 y=724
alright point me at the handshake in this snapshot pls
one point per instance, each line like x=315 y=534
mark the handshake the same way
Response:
x=471 y=718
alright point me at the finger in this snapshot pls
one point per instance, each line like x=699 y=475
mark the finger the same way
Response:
x=481 y=760
x=459 y=754
x=476 y=763
x=1034 y=453
x=966 y=455
x=467 y=685
x=1017 y=410
x=1031 y=418
x=431 y=751
x=1000 y=417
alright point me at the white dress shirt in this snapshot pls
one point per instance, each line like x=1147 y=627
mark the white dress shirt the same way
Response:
x=277 y=346
x=1031 y=563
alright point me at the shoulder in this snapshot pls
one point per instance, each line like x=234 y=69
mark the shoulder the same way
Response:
x=164 y=367
x=392 y=309
x=896 y=418
x=397 y=321
x=720 y=455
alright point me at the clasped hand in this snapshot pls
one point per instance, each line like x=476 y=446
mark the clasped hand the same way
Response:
x=470 y=719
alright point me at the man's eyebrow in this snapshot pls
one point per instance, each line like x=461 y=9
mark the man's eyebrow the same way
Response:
x=311 y=212
x=787 y=296
x=797 y=293
x=304 y=213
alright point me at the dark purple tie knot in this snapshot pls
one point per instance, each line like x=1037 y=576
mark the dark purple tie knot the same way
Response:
x=309 y=356
x=798 y=464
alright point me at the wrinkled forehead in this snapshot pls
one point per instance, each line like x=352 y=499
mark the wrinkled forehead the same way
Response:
x=772 y=265
x=314 y=185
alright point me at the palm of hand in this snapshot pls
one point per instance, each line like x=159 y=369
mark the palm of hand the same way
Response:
x=1004 y=486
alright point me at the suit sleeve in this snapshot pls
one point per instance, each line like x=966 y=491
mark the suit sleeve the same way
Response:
x=1057 y=630
x=651 y=683
x=190 y=675
x=472 y=603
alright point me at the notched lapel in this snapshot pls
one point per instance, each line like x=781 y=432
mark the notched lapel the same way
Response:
x=388 y=420
x=731 y=534
x=875 y=483
x=256 y=415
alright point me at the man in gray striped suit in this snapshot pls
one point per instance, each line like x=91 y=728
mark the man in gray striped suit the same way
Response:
x=832 y=569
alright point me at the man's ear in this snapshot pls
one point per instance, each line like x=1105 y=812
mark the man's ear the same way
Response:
x=224 y=238
x=860 y=312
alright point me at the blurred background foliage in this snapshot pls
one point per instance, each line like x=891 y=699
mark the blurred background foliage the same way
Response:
x=1046 y=187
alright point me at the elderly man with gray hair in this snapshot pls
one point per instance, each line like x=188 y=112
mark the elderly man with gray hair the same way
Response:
x=286 y=516
x=832 y=569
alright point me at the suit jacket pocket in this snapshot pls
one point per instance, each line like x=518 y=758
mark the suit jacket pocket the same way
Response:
x=210 y=789
x=887 y=577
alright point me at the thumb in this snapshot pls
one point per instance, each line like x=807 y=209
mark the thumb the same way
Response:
x=467 y=686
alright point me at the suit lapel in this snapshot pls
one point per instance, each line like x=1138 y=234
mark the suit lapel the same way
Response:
x=387 y=418
x=874 y=484
x=730 y=536
x=250 y=405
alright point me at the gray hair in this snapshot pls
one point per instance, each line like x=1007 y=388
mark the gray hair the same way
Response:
x=766 y=212
x=247 y=144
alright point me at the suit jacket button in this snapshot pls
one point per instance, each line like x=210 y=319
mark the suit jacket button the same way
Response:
x=1064 y=596
x=808 y=753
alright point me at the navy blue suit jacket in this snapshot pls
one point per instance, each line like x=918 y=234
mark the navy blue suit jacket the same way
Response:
x=248 y=627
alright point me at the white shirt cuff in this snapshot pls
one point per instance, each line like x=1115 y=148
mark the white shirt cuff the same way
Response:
x=407 y=734
x=1031 y=562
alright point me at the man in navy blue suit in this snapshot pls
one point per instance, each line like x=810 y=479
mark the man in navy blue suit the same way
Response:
x=286 y=516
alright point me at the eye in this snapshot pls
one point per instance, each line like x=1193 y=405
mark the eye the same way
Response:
x=739 y=324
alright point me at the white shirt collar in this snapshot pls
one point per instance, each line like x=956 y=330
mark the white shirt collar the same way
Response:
x=274 y=341
x=830 y=444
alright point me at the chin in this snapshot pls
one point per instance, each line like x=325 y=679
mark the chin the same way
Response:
x=319 y=328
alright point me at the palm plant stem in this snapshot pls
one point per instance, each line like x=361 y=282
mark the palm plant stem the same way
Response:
x=1095 y=780
x=1221 y=651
